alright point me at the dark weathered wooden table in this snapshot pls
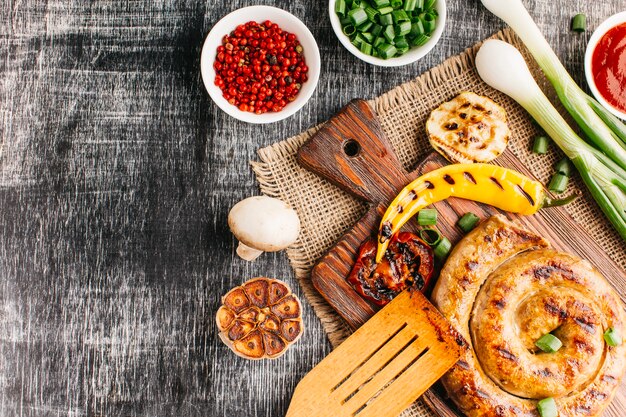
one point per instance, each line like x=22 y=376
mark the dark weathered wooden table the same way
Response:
x=116 y=176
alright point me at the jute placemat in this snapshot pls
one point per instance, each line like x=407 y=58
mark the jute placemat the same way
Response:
x=326 y=212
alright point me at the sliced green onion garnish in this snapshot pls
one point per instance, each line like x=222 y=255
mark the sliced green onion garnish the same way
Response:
x=365 y=26
x=345 y=21
x=558 y=183
x=547 y=408
x=420 y=40
x=386 y=51
x=403 y=28
x=366 y=48
x=409 y=5
x=427 y=217
x=579 y=23
x=340 y=7
x=385 y=11
x=379 y=41
x=541 y=145
x=400 y=16
x=420 y=5
x=380 y=3
x=349 y=30
x=429 y=22
x=430 y=4
x=367 y=37
x=376 y=30
x=563 y=167
x=357 y=16
x=442 y=249
x=430 y=236
x=549 y=343
x=386 y=19
x=396 y=3
x=417 y=28
x=612 y=337
x=389 y=33
x=358 y=3
x=371 y=14
x=401 y=43
x=467 y=222
x=356 y=42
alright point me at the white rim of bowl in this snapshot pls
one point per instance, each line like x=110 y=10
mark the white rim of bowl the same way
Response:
x=600 y=31
x=410 y=57
x=222 y=27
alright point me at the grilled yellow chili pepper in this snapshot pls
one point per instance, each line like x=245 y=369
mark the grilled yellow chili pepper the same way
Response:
x=500 y=187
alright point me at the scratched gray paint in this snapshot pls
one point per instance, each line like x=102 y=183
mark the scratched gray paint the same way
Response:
x=116 y=175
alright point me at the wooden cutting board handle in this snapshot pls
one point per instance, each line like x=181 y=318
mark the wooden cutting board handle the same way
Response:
x=352 y=151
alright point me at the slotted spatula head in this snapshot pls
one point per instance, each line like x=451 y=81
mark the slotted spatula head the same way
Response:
x=384 y=366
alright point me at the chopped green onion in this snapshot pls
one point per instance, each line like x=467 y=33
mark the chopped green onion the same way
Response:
x=409 y=5
x=345 y=21
x=400 y=16
x=340 y=7
x=349 y=30
x=371 y=14
x=365 y=26
x=541 y=145
x=385 y=11
x=427 y=217
x=402 y=51
x=430 y=4
x=403 y=28
x=401 y=43
x=429 y=23
x=442 y=249
x=467 y=222
x=547 y=408
x=579 y=23
x=386 y=50
x=417 y=28
x=420 y=40
x=356 y=42
x=430 y=236
x=419 y=5
x=558 y=183
x=380 y=3
x=549 y=343
x=386 y=19
x=379 y=41
x=376 y=30
x=612 y=337
x=358 y=4
x=563 y=167
x=366 y=48
x=367 y=37
x=396 y=3
x=389 y=33
x=357 y=16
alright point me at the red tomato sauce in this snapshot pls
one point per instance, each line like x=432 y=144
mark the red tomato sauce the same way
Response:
x=608 y=66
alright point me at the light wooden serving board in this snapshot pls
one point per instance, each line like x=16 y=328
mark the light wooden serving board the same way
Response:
x=352 y=152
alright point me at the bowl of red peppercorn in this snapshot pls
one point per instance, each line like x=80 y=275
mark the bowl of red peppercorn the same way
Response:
x=260 y=64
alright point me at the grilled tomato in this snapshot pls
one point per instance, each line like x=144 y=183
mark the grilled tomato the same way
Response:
x=408 y=263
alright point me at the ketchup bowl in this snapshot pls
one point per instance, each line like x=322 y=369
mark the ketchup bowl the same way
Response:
x=287 y=23
x=605 y=64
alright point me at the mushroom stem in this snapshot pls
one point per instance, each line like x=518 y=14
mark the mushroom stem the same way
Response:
x=248 y=253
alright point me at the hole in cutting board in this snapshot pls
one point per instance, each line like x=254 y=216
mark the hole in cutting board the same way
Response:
x=351 y=148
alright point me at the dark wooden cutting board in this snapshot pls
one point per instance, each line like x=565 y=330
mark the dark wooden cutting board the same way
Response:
x=352 y=152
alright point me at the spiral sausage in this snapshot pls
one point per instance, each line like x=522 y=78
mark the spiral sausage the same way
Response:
x=503 y=288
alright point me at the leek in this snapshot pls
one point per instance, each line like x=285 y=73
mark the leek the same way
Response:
x=503 y=67
x=604 y=130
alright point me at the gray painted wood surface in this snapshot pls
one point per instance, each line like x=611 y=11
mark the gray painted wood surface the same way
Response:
x=116 y=176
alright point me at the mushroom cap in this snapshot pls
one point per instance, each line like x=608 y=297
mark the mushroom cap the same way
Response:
x=264 y=223
x=260 y=319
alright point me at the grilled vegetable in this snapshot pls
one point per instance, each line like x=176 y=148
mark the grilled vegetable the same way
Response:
x=469 y=128
x=260 y=319
x=408 y=262
x=503 y=188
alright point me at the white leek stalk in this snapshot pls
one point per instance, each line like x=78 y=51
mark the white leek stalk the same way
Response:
x=503 y=67
x=606 y=132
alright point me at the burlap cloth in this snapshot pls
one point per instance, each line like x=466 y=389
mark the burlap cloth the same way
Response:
x=326 y=212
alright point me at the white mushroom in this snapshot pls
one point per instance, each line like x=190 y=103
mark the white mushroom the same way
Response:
x=262 y=224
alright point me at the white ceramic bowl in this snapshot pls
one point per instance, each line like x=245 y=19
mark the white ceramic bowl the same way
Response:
x=287 y=22
x=604 y=27
x=411 y=56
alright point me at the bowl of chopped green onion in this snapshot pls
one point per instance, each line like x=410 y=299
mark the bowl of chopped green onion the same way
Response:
x=388 y=33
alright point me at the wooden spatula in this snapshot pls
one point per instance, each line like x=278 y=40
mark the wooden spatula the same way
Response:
x=384 y=366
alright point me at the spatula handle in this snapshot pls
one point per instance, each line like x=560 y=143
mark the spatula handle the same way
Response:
x=352 y=151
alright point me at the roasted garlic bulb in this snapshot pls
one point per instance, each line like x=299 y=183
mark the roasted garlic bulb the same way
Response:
x=260 y=319
x=469 y=128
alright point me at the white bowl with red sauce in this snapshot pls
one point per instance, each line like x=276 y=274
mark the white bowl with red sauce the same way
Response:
x=288 y=23
x=605 y=64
